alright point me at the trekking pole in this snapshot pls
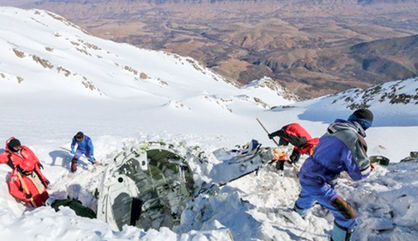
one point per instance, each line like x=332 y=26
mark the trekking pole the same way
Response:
x=295 y=170
x=66 y=149
x=25 y=188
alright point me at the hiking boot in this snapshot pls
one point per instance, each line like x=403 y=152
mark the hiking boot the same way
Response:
x=280 y=165
x=73 y=165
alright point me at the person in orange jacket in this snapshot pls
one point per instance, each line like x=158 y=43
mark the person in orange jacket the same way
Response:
x=26 y=182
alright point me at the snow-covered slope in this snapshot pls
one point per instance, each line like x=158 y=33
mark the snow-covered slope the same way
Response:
x=391 y=101
x=53 y=65
x=394 y=102
x=395 y=108
x=55 y=80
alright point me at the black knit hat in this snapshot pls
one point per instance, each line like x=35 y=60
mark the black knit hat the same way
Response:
x=79 y=135
x=364 y=117
x=14 y=143
x=364 y=114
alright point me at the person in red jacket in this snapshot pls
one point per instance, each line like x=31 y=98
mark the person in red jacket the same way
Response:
x=299 y=137
x=15 y=153
x=26 y=183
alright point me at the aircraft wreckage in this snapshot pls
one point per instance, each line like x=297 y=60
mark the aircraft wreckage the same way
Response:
x=148 y=185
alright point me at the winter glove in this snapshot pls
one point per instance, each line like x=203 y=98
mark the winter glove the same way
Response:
x=271 y=136
x=283 y=142
x=72 y=151
x=40 y=165
x=28 y=195
x=46 y=183
x=294 y=157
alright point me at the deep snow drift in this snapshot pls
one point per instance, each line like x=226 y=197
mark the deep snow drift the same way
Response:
x=55 y=80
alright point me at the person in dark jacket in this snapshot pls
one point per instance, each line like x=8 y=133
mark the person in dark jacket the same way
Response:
x=299 y=137
x=342 y=148
x=84 y=147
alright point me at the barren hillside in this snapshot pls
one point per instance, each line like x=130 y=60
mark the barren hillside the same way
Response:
x=310 y=47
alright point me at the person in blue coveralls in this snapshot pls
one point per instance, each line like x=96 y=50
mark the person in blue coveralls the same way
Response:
x=342 y=148
x=84 y=147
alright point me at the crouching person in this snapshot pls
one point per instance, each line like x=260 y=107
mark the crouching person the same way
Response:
x=299 y=137
x=342 y=148
x=84 y=147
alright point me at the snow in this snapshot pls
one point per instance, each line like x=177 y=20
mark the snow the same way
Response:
x=176 y=100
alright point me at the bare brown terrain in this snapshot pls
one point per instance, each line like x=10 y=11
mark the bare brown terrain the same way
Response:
x=311 y=47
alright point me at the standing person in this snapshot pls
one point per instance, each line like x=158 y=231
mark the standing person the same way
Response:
x=84 y=147
x=26 y=182
x=299 y=137
x=342 y=148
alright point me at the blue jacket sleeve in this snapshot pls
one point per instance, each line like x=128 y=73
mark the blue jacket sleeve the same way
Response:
x=73 y=143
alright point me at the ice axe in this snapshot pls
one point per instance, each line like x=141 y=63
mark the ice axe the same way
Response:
x=295 y=170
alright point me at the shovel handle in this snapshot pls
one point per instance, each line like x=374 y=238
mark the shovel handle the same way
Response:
x=268 y=133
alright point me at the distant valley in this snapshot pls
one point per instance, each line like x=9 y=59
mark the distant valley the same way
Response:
x=311 y=47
